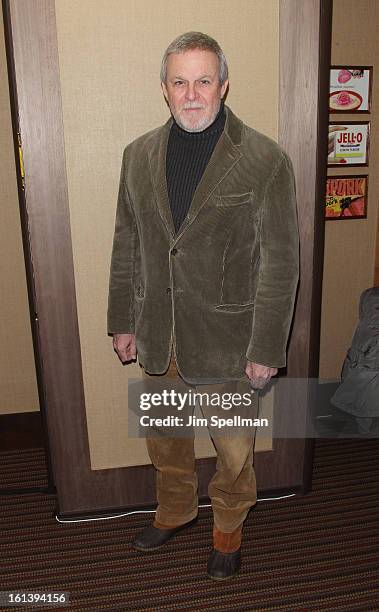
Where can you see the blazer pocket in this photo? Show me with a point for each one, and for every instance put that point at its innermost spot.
(234, 307)
(234, 200)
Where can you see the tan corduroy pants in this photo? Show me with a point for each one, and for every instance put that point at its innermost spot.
(232, 489)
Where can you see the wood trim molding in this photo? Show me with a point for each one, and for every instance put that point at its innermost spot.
(32, 38)
(305, 30)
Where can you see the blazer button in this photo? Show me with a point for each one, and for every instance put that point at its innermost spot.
(168, 290)
(174, 251)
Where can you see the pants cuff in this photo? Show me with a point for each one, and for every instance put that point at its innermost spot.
(227, 542)
(172, 520)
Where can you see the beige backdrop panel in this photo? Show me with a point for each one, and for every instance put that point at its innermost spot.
(110, 52)
(18, 388)
(349, 260)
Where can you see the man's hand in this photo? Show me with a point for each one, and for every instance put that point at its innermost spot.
(125, 346)
(259, 375)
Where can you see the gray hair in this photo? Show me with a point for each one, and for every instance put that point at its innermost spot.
(195, 40)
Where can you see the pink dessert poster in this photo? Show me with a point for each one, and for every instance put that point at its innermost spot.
(350, 88)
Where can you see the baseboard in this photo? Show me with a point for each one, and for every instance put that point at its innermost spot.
(21, 430)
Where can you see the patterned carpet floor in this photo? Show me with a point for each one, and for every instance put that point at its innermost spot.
(316, 552)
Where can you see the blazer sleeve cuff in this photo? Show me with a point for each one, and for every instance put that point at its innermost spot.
(266, 357)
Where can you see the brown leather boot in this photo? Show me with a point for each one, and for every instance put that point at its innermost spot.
(225, 559)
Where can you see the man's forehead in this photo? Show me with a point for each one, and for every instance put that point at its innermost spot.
(193, 59)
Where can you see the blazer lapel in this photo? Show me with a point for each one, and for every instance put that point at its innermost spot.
(157, 161)
(225, 155)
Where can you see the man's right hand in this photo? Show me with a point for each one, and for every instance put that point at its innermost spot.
(125, 346)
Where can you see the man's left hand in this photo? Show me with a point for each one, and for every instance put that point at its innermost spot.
(259, 375)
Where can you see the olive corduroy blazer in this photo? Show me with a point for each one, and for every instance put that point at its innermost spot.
(222, 289)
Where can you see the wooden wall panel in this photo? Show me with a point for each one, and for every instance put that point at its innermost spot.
(304, 26)
(305, 32)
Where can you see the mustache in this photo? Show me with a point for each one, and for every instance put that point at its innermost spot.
(189, 105)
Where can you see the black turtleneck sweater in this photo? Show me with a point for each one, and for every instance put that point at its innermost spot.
(188, 154)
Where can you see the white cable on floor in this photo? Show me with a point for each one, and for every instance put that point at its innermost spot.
(114, 516)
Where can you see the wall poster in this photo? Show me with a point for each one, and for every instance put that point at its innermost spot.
(346, 197)
(350, 89)
(348, 143)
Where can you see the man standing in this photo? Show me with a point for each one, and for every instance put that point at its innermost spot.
(203, 277)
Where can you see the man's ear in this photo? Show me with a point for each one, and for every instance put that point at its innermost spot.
(224, 87)
(164, 89)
